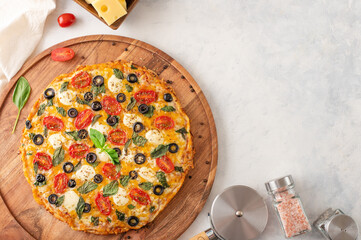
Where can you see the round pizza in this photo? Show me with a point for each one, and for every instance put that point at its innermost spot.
(106, 147)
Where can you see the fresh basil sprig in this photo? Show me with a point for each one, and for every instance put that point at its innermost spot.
(111, 188)
(168, 109)
(58, 156)
(124, 180)
(87, 187)
(159, 151)
(99, 141)
(118, 73)
(20, 96)
(162, 179)
(80, 207)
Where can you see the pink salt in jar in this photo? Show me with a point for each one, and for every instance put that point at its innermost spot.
(288, 206)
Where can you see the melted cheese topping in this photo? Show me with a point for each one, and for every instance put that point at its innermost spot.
(70, 200)
(130, 119)
(121, 197)
(147, 174)
(115, 84)
(155, 136)
(56, 140)
(67, 97)
(85, 173)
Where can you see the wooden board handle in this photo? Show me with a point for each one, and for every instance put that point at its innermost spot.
(200, 236)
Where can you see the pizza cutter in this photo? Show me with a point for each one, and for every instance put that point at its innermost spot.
(239, 212)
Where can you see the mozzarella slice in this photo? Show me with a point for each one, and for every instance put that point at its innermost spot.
(102, 156)
(155, 136)
(56, 140)
(115, 84)
(101, 128)
(129, 119)
(70, 200)
(85, 173)
(121, 197)
(67, 97)
(147, 174)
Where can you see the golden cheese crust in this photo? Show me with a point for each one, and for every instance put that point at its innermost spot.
(135, 190)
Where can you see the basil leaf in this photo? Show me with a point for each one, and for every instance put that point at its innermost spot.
(120, 215)
(131, 206)
(168, 109)
(146, 185)
(150, 111)
(29, 153)
(97, 90)
(113, 155)
(182, 131)
(109, 220)
(81, 101)
(124, 180)
(50, 102)
(126, 145)
(159, 151)
(97, 138)
(162, 179)
(118, 73)
(20, 96)
(128, 87)
(41, 109)
(73, 134)
(87, 187)
(94, 220)
(111, 188)
(131, 103)
(61, 111)
(132, 67)
(138, 140)
(59, 201)
(77, 166)
(64, 87)
(36, 167)
(40, 184)
(95, 164)
(178, 169)
(45, 131)
(80, 207)
(151, 209)
(95, 118)
(31, 136)
(58, 156)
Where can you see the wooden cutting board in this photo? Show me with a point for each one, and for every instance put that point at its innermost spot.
(22, 218)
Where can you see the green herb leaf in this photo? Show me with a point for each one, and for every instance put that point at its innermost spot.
(39, 184)
(138, 140)
(108, 219)
(87, 187)
(182, 131)
(178, 169)
(97, 138)
(118, 119)
(50, 102)
(131, 206)
(94, 220)
(81, 101)
(97, 90)
(64, 87)
(61, 111)
(159, 151)
(73, 134)
(151, 209)
(162, 179)
(95, 118)
(29, 153)
(127, 144)
(146, 185)
(20, 96)
(41, 109)
(168, 109)
(124, 180)
(131, 104)
(77, 166)
(113, 155)
(31, 136)
(59, 201)
(58, 156)
(111, 188)
(95, 164)
(118, 73)
(80, 207)
(120, 215)
(128, 87)
(150, 111)
(36, 167)
(45, 131)
(132, 67)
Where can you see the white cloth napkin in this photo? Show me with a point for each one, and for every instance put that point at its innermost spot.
(21, 28)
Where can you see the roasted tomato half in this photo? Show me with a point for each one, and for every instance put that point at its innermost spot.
(165, 164)
(78, 150)
(84, 119)
(110, 171)
(43, 160)
(145, 96)
(117, 137)
(139, 196)
(53, 123)
(81, 80)
(62, 54)
(164, 122)
(111, 105)
(103, 204)
(60, 182)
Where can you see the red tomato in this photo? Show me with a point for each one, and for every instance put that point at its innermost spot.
(43, 160)
(117, 137)
(53, 123)
(103, 204)
(111, 105)
(165, 164)
(110, 171)
(60, 182)
(164, 122)
(145, 96)
(66, 19)
(78, 150)
(84, 119)
(81, 80)
(139, 196)
(62, 54)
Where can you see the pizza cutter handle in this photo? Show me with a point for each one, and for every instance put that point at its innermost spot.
(206, 235)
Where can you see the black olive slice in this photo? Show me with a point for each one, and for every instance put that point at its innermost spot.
(68, 167)
(133, 221)
(173, 148)
(71, 183)
(139, 158)
(87, 208)
(112, 120)
(98, 178)
(88, 96)
(167, 97)
(138, 127)
(98, 80)
(158, 189)
(96, 106)
(38, 139)
(28, 124)
(143, 108)
(121, 97)
(72, 112)
(40, 178)
(49, 93)
(52, 198)
(82, 133)
(118, 151)
(133, 174)
(132, 78)
(91, 157)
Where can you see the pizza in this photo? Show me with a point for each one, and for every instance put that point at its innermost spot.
(106, 147)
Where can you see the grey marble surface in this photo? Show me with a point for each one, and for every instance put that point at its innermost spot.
(282, 79)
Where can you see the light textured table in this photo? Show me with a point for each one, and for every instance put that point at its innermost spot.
(282, 79)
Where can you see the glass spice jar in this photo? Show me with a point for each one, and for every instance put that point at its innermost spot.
(288, 206)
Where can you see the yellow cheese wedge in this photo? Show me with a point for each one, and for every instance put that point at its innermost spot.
(124, 3)
(109, 10)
